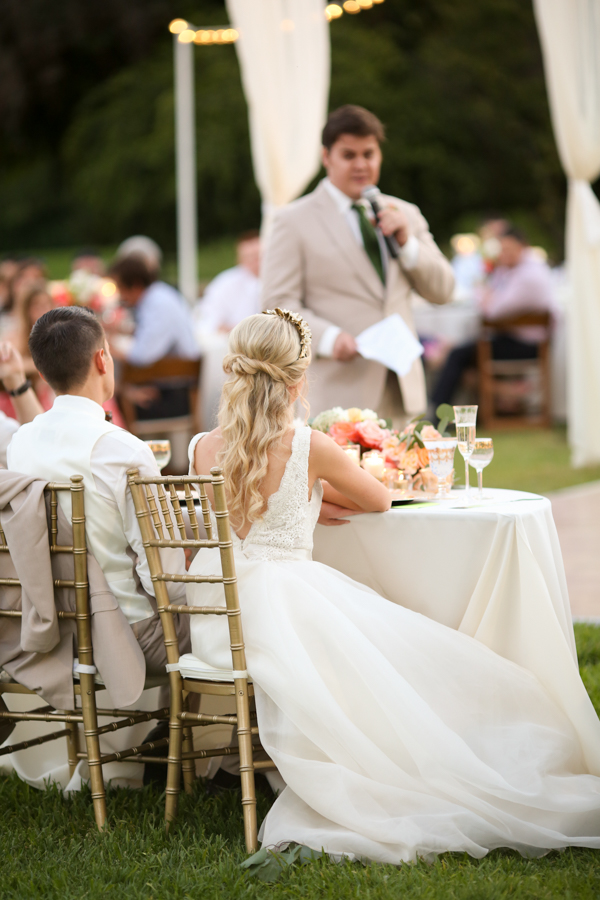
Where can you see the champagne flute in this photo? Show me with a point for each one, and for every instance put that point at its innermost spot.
(481, 456)
(161, 451)
(465, 418)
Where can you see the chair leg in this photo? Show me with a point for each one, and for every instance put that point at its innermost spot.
(175, 749)
(72, 746)
(246, 767)
(188, 766)
(92, 742)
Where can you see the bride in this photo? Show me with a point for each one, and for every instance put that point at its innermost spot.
(397, 737)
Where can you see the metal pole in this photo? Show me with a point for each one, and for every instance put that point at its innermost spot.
(185, 152)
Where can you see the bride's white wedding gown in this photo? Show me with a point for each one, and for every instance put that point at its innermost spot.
(396, 736)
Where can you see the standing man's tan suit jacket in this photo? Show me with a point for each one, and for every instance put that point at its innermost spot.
(313, 265)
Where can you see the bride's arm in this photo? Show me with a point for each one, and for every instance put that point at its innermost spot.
(346, 483)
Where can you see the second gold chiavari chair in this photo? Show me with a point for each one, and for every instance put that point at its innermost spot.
(226, 684)
(85, 683)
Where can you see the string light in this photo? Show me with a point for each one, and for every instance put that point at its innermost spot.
(333, 11)
(177, 26)
(188, 33)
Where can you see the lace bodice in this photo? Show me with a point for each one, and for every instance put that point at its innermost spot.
(285, 530)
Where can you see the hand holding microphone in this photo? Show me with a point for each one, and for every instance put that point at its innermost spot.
(391, 222)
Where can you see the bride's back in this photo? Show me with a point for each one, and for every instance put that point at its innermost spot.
(266, 364)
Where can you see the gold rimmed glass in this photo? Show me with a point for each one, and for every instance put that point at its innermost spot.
(465, 418)
(481, 456)
(161, 451)
(441, 462)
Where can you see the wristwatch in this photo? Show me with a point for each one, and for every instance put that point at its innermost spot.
(20, 390)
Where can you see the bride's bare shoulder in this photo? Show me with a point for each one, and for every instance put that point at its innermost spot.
(208, 446)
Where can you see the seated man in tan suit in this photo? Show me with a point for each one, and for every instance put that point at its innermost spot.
(326, 260)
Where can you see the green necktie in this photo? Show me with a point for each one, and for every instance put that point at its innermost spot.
(369, 236)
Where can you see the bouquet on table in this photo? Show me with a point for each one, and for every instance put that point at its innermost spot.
(83, 288)
(404, 450)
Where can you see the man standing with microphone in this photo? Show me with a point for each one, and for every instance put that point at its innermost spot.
(344, 267)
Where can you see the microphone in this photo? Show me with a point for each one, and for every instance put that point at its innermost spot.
(372, 194)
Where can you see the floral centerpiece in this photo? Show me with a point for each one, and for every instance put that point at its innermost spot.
(402, 450)
(83, 288)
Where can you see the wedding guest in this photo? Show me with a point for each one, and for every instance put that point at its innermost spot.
(163, 327)
(163, 324)
(234, 293)
(140, 245)
(326, 258)
(520, 282)
(69, 347)
(26, 404)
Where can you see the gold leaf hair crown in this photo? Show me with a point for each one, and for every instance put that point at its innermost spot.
(298, 323)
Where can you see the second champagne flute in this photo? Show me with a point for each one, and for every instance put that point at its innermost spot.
(465, 418)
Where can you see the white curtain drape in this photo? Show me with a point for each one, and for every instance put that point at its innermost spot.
(570, 37)
(283, 51)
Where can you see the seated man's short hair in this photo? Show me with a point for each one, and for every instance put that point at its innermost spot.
(354, 120)
(62, 344)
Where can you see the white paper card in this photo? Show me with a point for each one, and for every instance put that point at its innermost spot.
(391, 343)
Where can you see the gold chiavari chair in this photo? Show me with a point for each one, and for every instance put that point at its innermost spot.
(225, 684)
(85, 672)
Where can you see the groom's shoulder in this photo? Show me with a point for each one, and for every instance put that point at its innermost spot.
(125, 445)
(299, 208)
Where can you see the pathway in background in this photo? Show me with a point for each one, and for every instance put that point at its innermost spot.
(577, 515)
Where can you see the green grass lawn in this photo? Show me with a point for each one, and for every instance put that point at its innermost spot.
(530, 460)
(51, 849)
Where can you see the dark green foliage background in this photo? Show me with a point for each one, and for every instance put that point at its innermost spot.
(86, 117)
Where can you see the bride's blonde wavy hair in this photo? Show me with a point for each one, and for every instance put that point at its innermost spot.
(263, 363)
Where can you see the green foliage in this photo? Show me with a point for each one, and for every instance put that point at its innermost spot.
(50, 848)
(445, 414)
(458, 84)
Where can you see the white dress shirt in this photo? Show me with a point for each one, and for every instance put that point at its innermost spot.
(230, 297)
(409, 253)
(8, 427)
(164, 327)
(73, 437)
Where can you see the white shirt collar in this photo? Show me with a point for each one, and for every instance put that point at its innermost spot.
(80, 405)
(342, 200)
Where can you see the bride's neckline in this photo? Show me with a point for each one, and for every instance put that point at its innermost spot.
(275, 493)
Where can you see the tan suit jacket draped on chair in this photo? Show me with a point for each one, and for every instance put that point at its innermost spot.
(313, 265)
(38, 649)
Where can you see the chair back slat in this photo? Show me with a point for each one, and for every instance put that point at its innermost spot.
(178, 513)
(205, 506)
(154, 512)
(191, 508)
(53, 518)
(165, 510)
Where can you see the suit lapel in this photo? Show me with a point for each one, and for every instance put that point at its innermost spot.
(353, 253)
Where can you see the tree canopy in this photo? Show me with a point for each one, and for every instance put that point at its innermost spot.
(87, 135)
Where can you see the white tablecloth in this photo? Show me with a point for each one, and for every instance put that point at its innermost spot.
(493, 571)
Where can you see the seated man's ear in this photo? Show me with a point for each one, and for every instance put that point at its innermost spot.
(101, 361)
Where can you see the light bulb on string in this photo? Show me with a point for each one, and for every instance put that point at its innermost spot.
(352, 7)
(177, 26)
(187, 36)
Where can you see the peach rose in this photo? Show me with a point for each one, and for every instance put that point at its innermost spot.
(425, 480)
(369, 434)
(410, 462)
(343, 433)
(429, 433)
